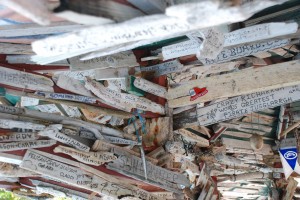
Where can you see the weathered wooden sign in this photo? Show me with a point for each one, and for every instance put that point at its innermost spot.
(20, 79)
(12, 146)
(13, 170)
(123, 100)
(10, 124)
(237, 83)
(191, 137)
(43, 163)
(49, 108)
(246, 104)
(122, 59)
(231, 53)
(18, 137)
(72, 85)
(117, 140)
(156, 175)
(71, 111)
(36, 162)
(53, 133)
(92, 158)
(180, 49)
(164, 68)
(50, 190)
(68, 97)
(150, 87)
(259, 32)
(27, 101)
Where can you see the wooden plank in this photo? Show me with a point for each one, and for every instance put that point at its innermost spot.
(7, 48)
(13, 146)
(122, 59)
(156, 175)
(245, 127)
(237, 83)
(233, 145)
(164, 68)
(34, 29)
(39, 162)
(246, 104)
(258, 118)
(12, 170)
(19, 79)
(36, 10)
(290, 189)
(10, 124)
(53, 133)
(189, 136)
(18, 137)
(91, 158)
(150, 87)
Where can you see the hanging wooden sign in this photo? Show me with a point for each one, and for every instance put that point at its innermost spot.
(25, 80)
(237, 83)
(10, 124)
(156, 175)
(122, 59)
(91, 158)
(246, 104)
(116, 140)
(18, 137)
(232, 53)
(164, 68)
(54, 134)
(13, 146)
(150, 87)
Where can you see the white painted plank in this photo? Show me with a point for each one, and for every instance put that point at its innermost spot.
(164, 68)
(246, 104)
(237, 83)
(10, 124)
(53, 133)
(122, 59)
(18, 137)
(150, 87)
(13, 146)
(25, 80)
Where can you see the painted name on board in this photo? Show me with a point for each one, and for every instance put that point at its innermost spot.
(18, 137)
(12, 146)
(246, 104)
(245, 50)
(164, 68)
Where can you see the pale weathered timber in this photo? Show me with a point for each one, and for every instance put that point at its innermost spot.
(92, 158)
(238, 83)
(10, 124)
(55, 134)
(12, 170)
(35, 160)
(25, 80)
(7, 48)
(191, 137)
(18, 137)
(156, 175)
(246, 104)
(13, 146)
(122, 59)
(150, 87)
(290, 189)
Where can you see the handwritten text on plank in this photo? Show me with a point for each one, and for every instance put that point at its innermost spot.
(246, 104)
(18, 137)
(245, 50)
(25, 80)
(12, 146)
(164, 68)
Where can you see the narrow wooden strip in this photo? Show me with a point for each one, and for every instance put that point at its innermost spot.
(246, 104)
(19, 79)
(18, 137)
(238, 83)
(13, 146)
(150, 87)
